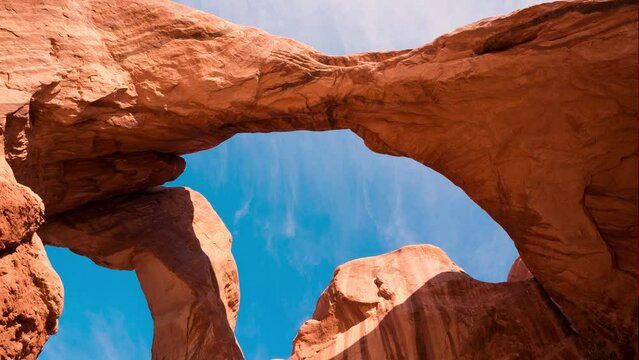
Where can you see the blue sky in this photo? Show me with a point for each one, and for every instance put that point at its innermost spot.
(299, 204)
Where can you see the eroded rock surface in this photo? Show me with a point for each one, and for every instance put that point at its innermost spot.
(532, 114)
(415, 303)
(30, 290)
(519, 271)
(31, 299)
(181, 253)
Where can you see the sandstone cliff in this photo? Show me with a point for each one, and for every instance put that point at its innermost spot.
(532, 114)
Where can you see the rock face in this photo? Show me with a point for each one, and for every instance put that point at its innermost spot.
(362, 292)
(30, 291)
(519, 271)
(532, 114)
(414, 303)
(181, 253)
(31, 297)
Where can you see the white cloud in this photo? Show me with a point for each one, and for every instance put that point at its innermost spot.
(289, 224)
(336, 26)
(241, 212)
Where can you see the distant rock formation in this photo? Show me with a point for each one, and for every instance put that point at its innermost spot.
(181, 253)
(532, 114)
(415, 303)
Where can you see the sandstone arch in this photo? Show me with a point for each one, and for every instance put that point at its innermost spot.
(532, 114)
(181, 253)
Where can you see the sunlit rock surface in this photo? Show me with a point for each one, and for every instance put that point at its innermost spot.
(415, 303)
(181, 253)
(31, 298)
(532, 114)
(30, 290)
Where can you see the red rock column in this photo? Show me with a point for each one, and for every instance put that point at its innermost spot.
(181, 252)
(30, 290)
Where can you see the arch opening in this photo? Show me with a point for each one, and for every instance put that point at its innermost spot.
(498, 151)
(298, 205)
(386, 225)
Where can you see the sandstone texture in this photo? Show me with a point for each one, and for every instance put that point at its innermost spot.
(31, 299)
(532, 114)
(519, 271)
(181, 253)
(30, 290)
(415, 303)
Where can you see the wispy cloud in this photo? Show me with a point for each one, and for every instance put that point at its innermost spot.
(109, 338)
(337, 26)
(289, 224)
(241, 212)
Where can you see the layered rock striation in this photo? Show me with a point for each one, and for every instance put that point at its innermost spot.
(532, 114)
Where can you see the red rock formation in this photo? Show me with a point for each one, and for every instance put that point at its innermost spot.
(30, 291)
(519, 271)
(31, 297)
(532, 114)
(415, 303)
(181, 253)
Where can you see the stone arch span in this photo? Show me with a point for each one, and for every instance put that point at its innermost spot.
(532, 114)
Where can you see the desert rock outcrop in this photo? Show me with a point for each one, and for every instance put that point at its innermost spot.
(533, 114)
(415, 303)
(181, 253)
(30, 290)
(31, 298)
